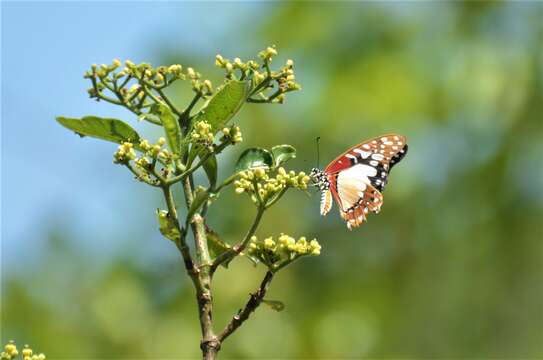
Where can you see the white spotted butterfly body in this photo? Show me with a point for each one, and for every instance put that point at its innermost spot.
(356, 178)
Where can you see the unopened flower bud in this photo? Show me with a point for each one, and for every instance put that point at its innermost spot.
(27, 351)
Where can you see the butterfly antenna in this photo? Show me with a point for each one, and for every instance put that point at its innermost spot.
(318, 152)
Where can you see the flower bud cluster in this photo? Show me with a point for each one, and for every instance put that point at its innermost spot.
(11, 352)
(277, 253)
(204, 88)
(267, 54)
(263, 186)
(202, 134)
(153, 152)
(232, 134)
(132, 82)
(149, 155)
(125, 152)
(262, 76)
(236, 64)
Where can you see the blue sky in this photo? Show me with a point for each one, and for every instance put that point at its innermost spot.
(50, 177)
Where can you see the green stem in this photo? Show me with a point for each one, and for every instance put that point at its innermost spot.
(182, 243)
(209, 344)
(277, 197)
(225, 183)
(140, 177)
(168, 101)
(238, 248)
(203, 159)
(185, 115)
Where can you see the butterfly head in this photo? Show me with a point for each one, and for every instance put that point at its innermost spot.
(320, 179)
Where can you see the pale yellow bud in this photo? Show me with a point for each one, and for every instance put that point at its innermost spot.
(259, 172)
(269, 243)
(27, 351)
(191, 73)
(10, 348)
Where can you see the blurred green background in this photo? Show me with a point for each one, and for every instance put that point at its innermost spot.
(452, 267)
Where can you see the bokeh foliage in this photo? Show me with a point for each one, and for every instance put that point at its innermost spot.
(450, 268)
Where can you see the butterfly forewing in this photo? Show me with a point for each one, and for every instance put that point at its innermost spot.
(386, 148)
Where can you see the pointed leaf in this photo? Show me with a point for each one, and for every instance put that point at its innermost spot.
(171, 127)
(253, 158)
(113, 130)
(224, 104)
(210, 167)
(282, 154)
(216, 245)
(275, 304)
(168, 226)
(201, 196)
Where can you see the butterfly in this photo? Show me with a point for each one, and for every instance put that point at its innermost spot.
(356, 178)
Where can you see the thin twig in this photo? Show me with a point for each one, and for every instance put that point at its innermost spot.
(255, 300)
(203, 159)
(238, 248)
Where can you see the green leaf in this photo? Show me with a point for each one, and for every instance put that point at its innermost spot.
(171, 127)
(216, 245)
(113, 130)
(254, 158)
(224, 104)
(275, 304)
(282, 154)
(168, 226)
(210, 167)
(201, 196)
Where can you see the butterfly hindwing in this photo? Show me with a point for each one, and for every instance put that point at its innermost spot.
(367, 200)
